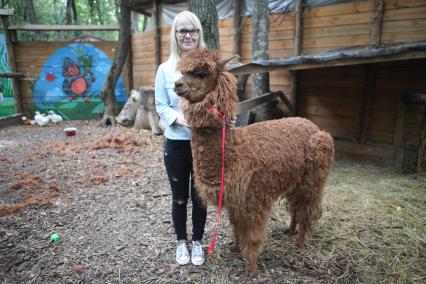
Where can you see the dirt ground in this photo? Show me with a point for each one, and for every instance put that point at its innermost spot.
(106, 194)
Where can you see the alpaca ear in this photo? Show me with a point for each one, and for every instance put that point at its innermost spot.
(222, 62)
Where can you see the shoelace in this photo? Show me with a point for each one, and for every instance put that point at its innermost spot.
(197, 249)
(181, 250)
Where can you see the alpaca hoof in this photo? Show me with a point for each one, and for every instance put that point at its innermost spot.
(251, 271)
(234, 248)
(290, 231)
(300, 244)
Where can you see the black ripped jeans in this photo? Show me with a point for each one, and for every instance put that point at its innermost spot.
(178, 162)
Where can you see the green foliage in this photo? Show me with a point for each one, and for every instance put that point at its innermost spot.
(53, 12)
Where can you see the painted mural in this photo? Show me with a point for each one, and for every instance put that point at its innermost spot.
(71, 80)
(6, 89)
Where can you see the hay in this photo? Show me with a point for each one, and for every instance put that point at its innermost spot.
(122, 141)
(50, 192)
(97, 180)
(372, 229)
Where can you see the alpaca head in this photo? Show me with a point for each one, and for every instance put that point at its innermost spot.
(205, 83)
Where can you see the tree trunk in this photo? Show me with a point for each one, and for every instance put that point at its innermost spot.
(32, 16)
(70, 16)
(207, 13)
(108, 90)
(98, 8)
(134, 21)
(260, 51)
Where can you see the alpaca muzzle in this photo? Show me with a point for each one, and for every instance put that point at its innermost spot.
(180, 89)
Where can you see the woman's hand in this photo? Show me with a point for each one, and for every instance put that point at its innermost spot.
(180, 120)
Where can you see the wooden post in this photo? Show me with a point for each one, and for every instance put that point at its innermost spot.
(12, 64)
(398, 135)
(298, 27)
(129, 65)
(376, 29)
(370, 86)
(421, 160)
(157, 29)
(298, 37)
(237, 27)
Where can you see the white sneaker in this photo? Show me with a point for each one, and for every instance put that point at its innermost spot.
(182, 253)
(197, 255)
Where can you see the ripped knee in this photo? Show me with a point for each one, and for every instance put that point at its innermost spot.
(180, 201)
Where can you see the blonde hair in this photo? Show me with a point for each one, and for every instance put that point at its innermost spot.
(174, 47)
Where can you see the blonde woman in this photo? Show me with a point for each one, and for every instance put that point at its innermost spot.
(186, 35)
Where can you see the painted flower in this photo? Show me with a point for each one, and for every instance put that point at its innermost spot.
(73, 70)
(79, 86)
(50, 77)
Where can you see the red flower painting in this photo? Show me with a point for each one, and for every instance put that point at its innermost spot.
(50, 77)
(77, 78)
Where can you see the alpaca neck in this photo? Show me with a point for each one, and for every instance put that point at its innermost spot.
(206, 146)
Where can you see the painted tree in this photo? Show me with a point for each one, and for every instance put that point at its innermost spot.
(121, 51)
(207, 13)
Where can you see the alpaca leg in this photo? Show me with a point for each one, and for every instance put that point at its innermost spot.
(293, 224)
(235, 246)
(252, 240)
(292, 199)
(306, 203)
(300, 241)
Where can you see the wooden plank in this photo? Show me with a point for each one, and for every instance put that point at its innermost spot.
(11, 75)
(397, 4)
(338, 20)
(383, 125)
(361, 29)
(412, 25)
(345, 111)
(247, 105)
(332, 91)
(331, 101)
(332, 63)
(341, 9)
(343, 41)
(382, 151)
(10, 120)
(403, 37)
(64, 27)
(380, 137)
(405, 14)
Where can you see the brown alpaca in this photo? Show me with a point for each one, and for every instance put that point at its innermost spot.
(288, 157)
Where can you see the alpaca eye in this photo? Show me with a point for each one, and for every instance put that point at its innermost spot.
(201, 75)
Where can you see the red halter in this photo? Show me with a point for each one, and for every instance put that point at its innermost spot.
(222, 117)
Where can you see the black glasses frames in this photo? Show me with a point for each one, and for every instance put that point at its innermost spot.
(184, 32)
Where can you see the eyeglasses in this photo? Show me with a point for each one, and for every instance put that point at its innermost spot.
(183, 32)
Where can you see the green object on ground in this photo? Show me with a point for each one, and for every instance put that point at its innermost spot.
(55, 237)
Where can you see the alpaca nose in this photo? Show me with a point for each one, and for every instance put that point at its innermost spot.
(178, 84)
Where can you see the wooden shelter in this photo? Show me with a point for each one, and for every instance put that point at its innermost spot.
(379, 54)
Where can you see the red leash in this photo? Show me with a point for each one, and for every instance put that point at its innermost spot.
(222, 180)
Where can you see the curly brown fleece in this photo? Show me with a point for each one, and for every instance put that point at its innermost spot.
(288, 157)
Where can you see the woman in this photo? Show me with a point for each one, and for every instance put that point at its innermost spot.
(186, 35)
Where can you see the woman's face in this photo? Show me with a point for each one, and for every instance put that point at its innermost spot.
(187, 36)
